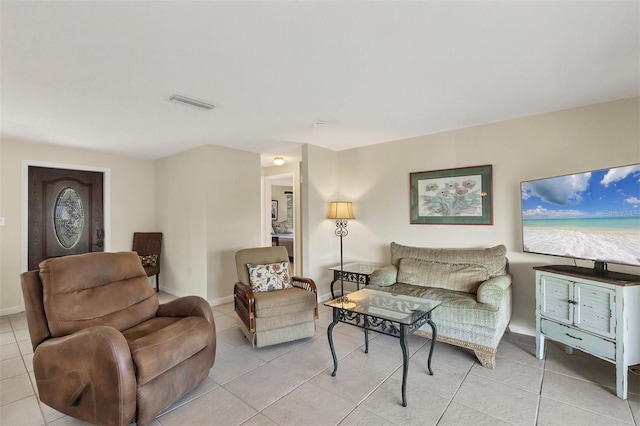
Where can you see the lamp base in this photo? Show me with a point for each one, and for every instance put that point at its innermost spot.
(346, 303)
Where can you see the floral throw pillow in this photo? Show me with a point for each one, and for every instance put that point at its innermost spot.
(274, 276)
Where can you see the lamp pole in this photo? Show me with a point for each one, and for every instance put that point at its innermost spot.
(341, 231)
(341, 211)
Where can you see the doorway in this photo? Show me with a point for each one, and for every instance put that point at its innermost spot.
(281, 215)
(66, 211)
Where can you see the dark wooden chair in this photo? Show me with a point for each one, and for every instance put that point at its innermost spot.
(148, 245)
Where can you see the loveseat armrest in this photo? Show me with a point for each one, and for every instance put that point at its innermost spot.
(88, 375)
(309, 285)
(385, 276)
(244, 303)
(492, 291)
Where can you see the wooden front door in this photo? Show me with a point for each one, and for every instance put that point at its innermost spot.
(66, 213)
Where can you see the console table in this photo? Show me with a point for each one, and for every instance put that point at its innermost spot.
(355, 272)
(599, 315)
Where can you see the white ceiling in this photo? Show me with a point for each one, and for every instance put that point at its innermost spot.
(98, 74)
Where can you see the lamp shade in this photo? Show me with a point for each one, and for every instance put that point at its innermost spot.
(340, 210)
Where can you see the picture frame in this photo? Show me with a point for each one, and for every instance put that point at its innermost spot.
(274, 209)
(459, 196)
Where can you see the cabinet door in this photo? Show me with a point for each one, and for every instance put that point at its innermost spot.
(595, 311)
(556, 294)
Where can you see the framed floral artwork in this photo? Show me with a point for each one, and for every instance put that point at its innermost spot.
(460, 196)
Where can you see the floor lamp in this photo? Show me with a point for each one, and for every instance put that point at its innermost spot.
(341, 211)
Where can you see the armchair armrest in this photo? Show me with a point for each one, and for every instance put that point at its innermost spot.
(309, 285)
(244, 303)
(385, 276)
(492, 291)
(88, 375)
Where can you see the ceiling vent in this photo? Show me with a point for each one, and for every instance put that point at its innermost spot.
(191, 102)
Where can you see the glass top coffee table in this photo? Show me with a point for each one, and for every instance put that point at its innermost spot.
(391, 314)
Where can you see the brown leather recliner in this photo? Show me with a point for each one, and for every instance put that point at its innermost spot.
(105, 351)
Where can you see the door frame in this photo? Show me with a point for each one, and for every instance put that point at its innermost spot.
(106, 188)
(265, 211)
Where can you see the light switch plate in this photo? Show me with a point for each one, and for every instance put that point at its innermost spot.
(1, 221)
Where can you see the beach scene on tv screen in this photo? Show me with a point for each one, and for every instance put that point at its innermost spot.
(593, 215)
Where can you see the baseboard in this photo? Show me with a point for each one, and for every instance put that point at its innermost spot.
(221, 301)
(326, 296)
(11, 311)
(518, 329)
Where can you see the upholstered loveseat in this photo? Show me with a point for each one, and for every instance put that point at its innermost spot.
(473, 285)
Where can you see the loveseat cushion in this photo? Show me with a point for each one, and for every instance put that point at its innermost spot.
(493, 258)
(91, 289)
(457, 307)
(161, 343)
(450, 276)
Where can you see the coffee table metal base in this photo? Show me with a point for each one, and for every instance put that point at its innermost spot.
(383, 326)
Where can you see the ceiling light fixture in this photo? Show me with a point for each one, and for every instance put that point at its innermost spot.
(278, 161)
(191, 102)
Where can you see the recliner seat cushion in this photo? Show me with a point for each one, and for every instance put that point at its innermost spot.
(283, 302)
(92, 289)
(161, 343)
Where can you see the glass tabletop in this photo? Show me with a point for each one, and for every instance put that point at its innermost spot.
(381, 304)
(356, 268)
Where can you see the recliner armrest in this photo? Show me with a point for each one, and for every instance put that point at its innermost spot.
(88, 375)
(309, 285)
(244, 303)
(385, 276)
(189, 306)
(492, 291)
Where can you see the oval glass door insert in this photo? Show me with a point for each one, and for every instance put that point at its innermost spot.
(68, 217)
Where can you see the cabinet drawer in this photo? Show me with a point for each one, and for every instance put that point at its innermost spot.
(579, 339)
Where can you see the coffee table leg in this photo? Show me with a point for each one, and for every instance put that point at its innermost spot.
(366, 335)
(330, 336)
(405, 362)
(434, 336)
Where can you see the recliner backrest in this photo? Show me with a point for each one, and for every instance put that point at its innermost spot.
(260, 256)
(93, 289)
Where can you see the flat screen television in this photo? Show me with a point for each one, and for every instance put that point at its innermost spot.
(593, 215)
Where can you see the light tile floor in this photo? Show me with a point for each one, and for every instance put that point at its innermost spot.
(291, 384)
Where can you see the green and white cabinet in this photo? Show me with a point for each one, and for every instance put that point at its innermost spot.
(598, 315)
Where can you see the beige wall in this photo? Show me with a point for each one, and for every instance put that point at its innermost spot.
(321, 248)
(132, 183)
(376, 179)
(208, 202)
(208, 199)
